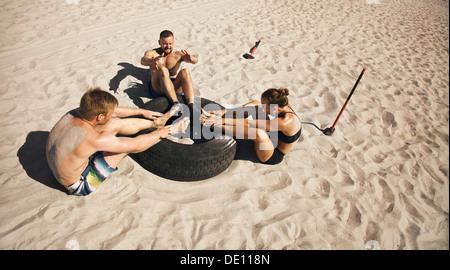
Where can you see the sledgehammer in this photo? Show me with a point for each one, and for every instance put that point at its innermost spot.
(252, 50)
(329, 131)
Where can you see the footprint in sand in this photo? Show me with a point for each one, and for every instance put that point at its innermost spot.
(409, 188)
(318, 188)
(411, 209)
(389, 119)
(387, 195)
(372, 232)
(354, 216)
(311, 102)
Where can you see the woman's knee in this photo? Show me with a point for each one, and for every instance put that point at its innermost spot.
(261, 135)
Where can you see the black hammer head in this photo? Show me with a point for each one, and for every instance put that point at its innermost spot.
(328, 131)
(248, 56)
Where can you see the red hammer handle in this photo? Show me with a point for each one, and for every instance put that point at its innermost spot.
(348, 99)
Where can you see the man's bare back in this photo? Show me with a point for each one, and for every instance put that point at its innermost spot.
(67, 150)
(74, 140)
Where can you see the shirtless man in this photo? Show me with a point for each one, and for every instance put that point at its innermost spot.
(83, 149)
(164, 63)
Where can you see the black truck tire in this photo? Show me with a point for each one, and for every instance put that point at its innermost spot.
(186, 162)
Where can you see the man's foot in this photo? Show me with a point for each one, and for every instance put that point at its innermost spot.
(179, 126)
(194, 116)
(176, 111)
(207, 119)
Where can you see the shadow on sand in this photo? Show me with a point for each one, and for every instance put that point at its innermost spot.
(33, 158)
(136, 91)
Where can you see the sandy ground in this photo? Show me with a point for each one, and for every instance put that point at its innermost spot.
(382, 176)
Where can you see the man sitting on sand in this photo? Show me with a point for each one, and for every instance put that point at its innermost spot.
(164, 63)
(83, 149)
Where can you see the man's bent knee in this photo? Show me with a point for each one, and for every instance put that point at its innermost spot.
(185, 73)
(162, 72)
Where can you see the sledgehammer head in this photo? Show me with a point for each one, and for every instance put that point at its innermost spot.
(252, 50)
(328, 131)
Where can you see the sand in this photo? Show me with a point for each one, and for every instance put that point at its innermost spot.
(381, 180)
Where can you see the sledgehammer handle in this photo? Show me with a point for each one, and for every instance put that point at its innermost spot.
(253, 49)
(348, 99)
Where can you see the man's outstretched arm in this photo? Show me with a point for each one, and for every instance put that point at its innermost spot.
(110, 143)
(122, 112)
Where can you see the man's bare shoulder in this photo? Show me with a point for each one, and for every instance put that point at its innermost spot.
(151, 54)
(72, 131)
(63, 124)
(65, 138)
(178, 53)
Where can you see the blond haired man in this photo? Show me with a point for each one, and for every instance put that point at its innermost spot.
(83, 149)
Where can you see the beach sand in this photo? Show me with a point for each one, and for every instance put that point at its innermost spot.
(383, 175)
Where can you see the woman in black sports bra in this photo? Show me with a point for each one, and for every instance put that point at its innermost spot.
(286, 124)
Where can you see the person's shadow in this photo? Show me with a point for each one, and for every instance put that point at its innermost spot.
(32, 156)
(136, 91)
